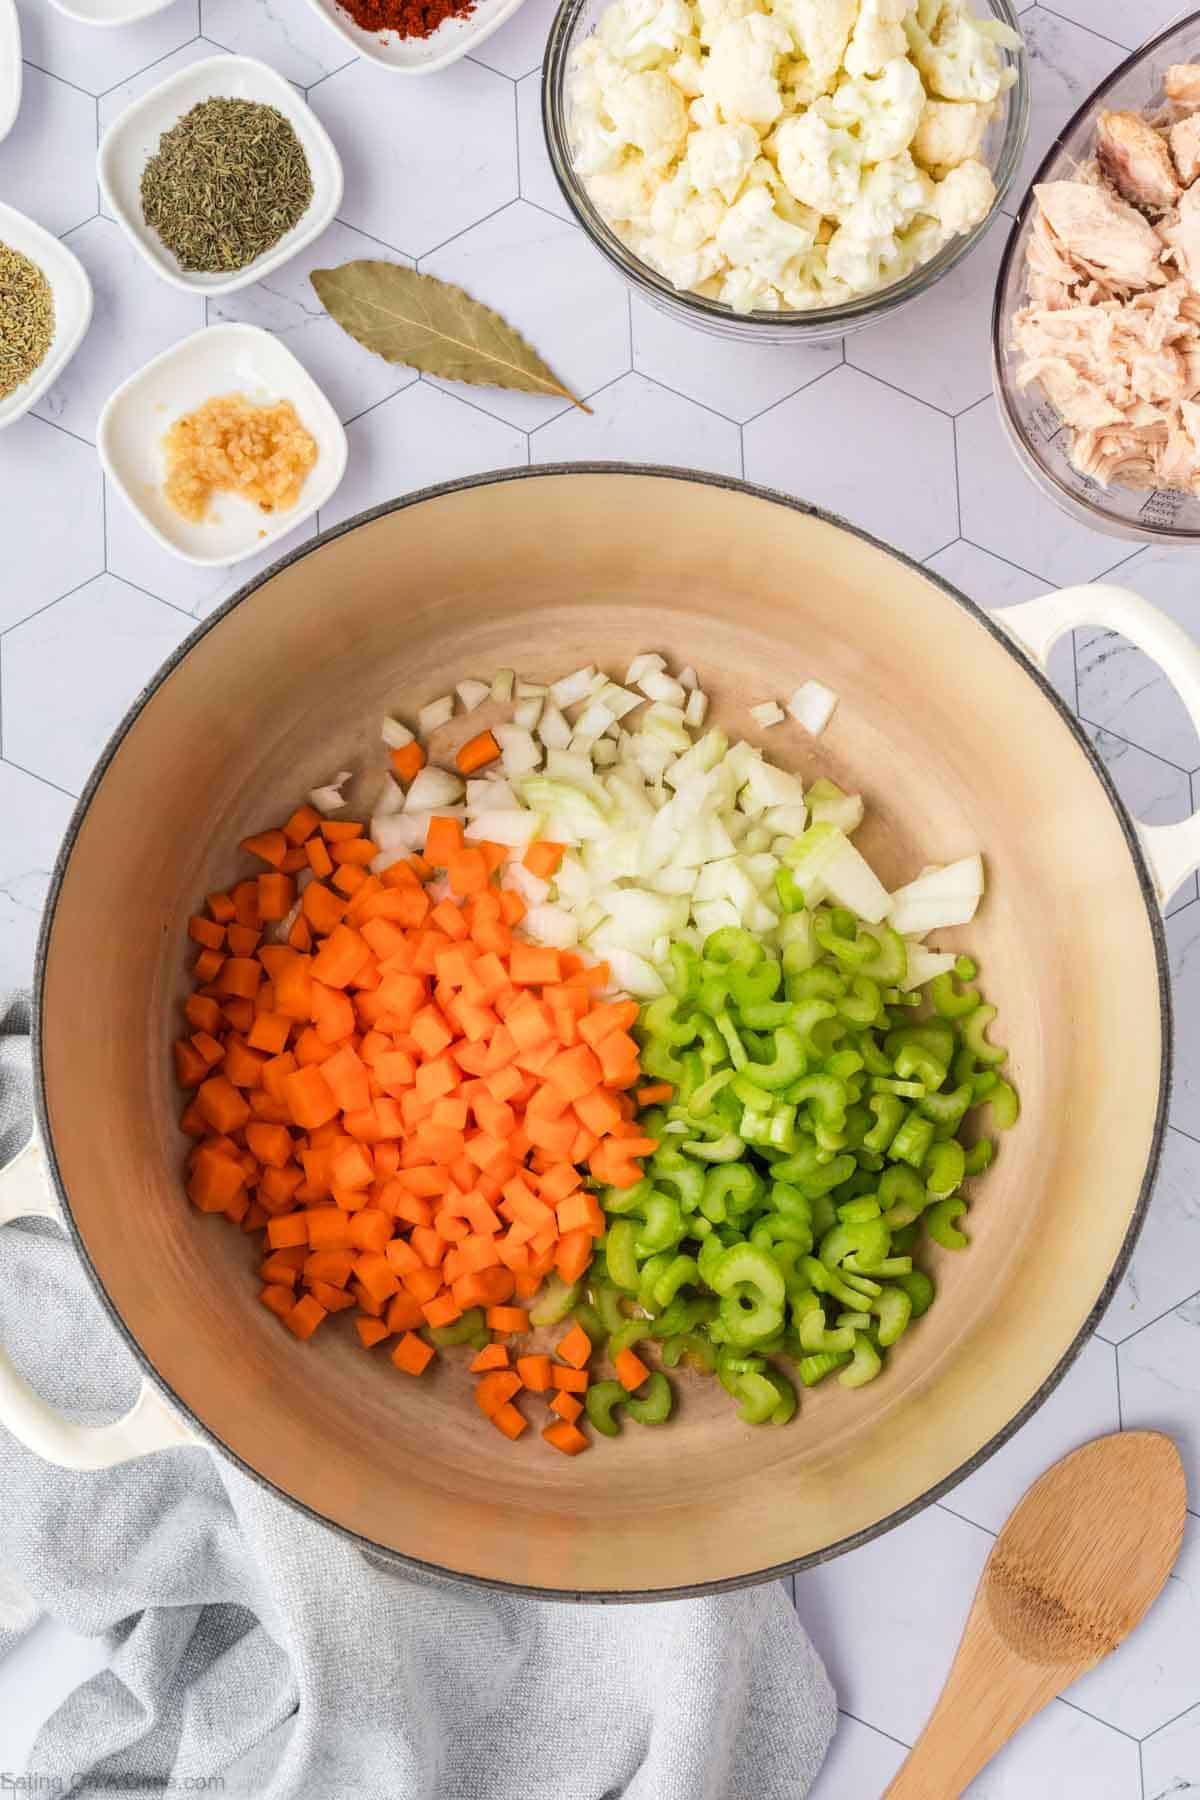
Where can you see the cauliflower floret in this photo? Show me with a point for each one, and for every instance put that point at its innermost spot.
(687, 70)
(820, 31)
(950, 131)
(642, 33)
(712, 14)
(961, 59)
(678, 212)
(595, 142)
(810, 284)
(720, 157)
(625, 194)
(820, 164)
(753, 236)
(878, 37)
(886, 108)
(746, 292)
(649, 113)
(741, 72)
(865, 244)
(964, 197)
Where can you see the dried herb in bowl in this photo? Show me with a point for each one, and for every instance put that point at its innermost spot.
(26, 319)
(225, 184)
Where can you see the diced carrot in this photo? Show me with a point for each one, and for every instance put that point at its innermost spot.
(543, 858)
(269, 846)
(494, 1389)
(573, 1381)
(507, 1318)
(309, 1097)
(477, 752)
(492, 1356)
(467, 873)
(278, 1298)
(534, 1372)
(408, 760)
(370, 1331)
(565, 1436)
(567, 1406)
(441, 1310)
(576, 1347)
(507, 1419)
(404, 1313)
(656, 1094)
(206, 932)
(412, 1354)
(631, 1370)
(303, 822)
(283, 1234)
(305, 1316)
(443, 840)
(339, 831)
(572, 1255)
(533, 965)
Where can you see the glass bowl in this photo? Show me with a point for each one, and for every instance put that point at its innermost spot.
(1001, 150)
(1034, 428)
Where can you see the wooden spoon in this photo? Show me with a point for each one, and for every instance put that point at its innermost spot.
(1070, 1575)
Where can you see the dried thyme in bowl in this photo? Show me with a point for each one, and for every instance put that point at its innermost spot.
(26, 319)
(227, 181)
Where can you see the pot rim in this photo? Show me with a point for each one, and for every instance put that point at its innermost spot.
(754, 1577)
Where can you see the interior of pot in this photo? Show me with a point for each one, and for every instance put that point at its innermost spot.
(954, 747)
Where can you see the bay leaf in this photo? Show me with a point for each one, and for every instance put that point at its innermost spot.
(430, 325)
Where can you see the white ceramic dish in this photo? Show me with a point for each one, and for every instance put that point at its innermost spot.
(420, 56)
(72, 305)
(133, 138)
(224, 359)
(108, 12)
(10, 66)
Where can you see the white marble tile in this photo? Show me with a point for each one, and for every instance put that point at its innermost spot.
(1154, 791)
(994, 583)
(1002, 508)
(97, 60)
(286, 304)
(735, 379)
(636, 421)
(293, 39)
(421, 437)
(516, 49)
(893, 469)
(1065, 64)
(1171, 1759)
(135, 556)
(35, 817)
(133, 320)
(1160, 1385)
(1127, 22)
(575, 314)
(140, 80)
(1061, 1754)
(861, 1761)
(1124, 690)
(48, 159)
(887, 1618)
(80, 663)
(1152, 1676)
(46, 480)
(415, 179)
(1165, 1268)
(939, 347)
(1082, 1406)
(1183, 946)
(537, 177)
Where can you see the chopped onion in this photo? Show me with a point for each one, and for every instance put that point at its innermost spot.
(472, 693)
(767, 713)
(553, 729)
(812, 706)
(489, 793)
(328, 799)
(502, 686)
(938, 897)
(518, 752)
(924, 964)
(532, 889)
(435, 714)
(643, 665)
(514, 826)
(527, 713)
(530, 690)
(394, 734)
(618, 700)
(689, 679)
(604, 753)
(389, 800)
(553, 925)
(572, 687)
(432, 789)
(657, 686)
(696, 708)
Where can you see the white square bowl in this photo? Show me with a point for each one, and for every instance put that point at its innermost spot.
(132, 139)
(10, 67)
(420, 56)
(72, 305)
(223, 359)
(109, 12)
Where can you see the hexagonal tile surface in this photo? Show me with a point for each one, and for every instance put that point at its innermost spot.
(421, 437)
(894, 470)
(35, 817)
(575, 314)
(744, 380)
(47, 161)
(636, 421)
(286, 303)
(402, 186)
(1001, 508)
(80, 662)
(1165, 1267)
(44, 559)
(1171, 1758)
(293, 39)
(1160, 1384)
(861, 1760)
(98, 59)
(517, 47)
(939, 346)
(1183, 944)
(1149, 1679)
(1121, 688)
(537, 177)
(994, 583)
(113, 102)
(134, 319)
(1065, 64)
(1128, 25)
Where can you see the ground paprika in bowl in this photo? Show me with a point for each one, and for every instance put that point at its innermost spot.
(407, 18)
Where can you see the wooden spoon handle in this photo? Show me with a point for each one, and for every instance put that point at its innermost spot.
(989, 1694)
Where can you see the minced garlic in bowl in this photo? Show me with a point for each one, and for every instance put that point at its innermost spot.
(231, 445)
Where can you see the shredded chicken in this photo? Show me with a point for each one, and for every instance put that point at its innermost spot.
(1181, 83)
(1111, 328)
(1136, 160)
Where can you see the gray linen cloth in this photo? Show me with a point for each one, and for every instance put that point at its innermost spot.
(258, 1653)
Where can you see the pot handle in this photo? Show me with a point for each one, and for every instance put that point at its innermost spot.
(151, 1424)
(1171, 851)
